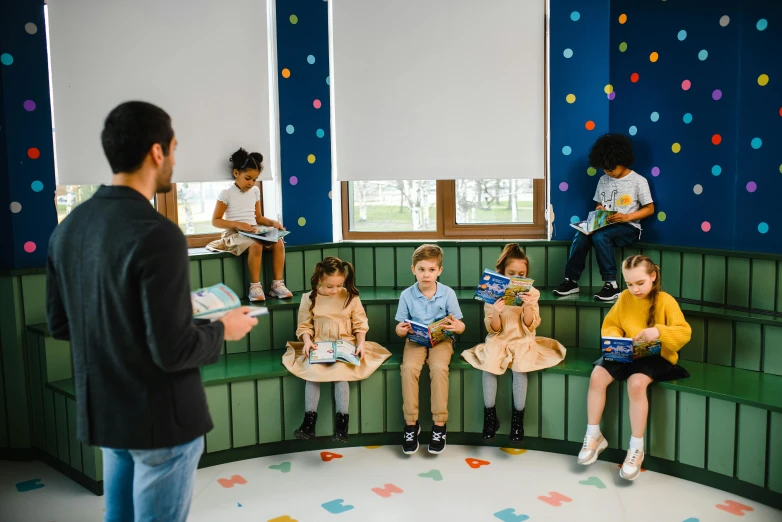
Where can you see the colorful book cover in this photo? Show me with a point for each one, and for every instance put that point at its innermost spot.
(491, 287)
(624, 350)
(264, 233)
(517, 286)
(213, 302)
(326, 352)
(428, 335)
(595, 220)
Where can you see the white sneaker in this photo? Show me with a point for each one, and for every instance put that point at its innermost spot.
(632, 465)
(591, 449)
(256, 293)
(279, 290)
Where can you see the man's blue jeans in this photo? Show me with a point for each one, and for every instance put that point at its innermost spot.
(604, 240)
(150, 485)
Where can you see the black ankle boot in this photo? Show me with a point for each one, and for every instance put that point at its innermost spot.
(307, 429)
(490, 423)
(341, 427)
(517, 426)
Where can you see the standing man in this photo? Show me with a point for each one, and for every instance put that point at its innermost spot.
(118, 289)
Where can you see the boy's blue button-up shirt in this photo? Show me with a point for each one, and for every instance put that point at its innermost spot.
(415, 306)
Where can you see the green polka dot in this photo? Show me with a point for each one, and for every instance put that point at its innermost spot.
(294, 19)
(623, 46)
(302, 221)
(591, 171)
(661, 216)
(780, 169)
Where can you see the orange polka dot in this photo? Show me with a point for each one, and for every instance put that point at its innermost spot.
(622, 18)
(716, 139)
(590, 125)
(634, 77)
(654, 57)
(33, 153)
(780, 111)
(286, 73)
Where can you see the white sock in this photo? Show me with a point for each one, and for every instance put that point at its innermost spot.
(593, 430)
(254, 284)
(637, 443)
(278, 282)
(613, 284)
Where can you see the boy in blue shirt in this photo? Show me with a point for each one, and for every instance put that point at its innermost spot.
(425, 302)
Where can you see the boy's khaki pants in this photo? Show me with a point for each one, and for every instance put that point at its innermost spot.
(413, 359)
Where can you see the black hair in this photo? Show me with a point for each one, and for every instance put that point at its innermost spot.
(130, 131)
(242, 160)
(610, 151)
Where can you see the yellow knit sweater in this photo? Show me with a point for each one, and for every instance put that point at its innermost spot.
(628, 317)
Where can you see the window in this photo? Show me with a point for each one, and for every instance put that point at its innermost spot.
(466, 209)
(195, 206)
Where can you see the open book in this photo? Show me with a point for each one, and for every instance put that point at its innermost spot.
(333, 351)
(595, 220)
(429, 335)
(625, 350)
(494, 286)
(264, 233)
(213, 302)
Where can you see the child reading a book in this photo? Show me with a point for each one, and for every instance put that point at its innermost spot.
(239, 208)
(644, 313)
(512, 343)
(332, 311)
(426, 302)
(621, 190)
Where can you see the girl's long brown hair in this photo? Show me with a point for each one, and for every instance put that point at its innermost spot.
(509, 253)
(330, 266)
(651, 268)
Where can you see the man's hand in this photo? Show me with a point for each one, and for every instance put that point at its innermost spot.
(237, 323)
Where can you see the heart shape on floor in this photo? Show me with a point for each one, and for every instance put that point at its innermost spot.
(327, 456)
(475, 463)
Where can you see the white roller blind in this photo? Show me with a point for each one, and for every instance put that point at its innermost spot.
(206, 63)
(437, 89)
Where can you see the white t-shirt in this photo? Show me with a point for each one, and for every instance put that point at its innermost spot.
(241, 205)
(624, 195)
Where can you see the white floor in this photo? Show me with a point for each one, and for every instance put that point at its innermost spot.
(382, 484)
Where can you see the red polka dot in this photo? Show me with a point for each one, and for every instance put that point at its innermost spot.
(590, 125)
(34, 153)
(716, 139)
(705, 226)
(316, 104)
(780, 111)
(634, 77)
(29, 247)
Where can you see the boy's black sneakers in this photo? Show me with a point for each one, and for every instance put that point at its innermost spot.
(609, 292)
(437, 444)
(566, 287)
(410, 443)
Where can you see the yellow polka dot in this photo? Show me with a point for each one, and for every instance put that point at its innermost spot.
(608, 89)
(302, 221)
(622, 18)
(676, 148)
(570, 98)
(661, 216)
(311, 158)
(763, 80)
(591, 171)
(286, 73)
(654, 57)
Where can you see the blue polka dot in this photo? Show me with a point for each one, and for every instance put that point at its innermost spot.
(703, 55)
(6, 59)
(682, 35)
(575, 16)
(566, 150)
(633, 130)
(757, 143)
(687, 118)
(568, 53)
(763, 227)
(289, 129)
(328, 80)
(574, 219)
(310, 59)
(37, 186)
(762, 24)
(655, 116)
(319, 133)
(716, 170)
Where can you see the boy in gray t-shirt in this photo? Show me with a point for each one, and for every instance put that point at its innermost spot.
(620, 189)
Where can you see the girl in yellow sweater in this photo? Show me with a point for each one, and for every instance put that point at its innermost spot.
(644, 313)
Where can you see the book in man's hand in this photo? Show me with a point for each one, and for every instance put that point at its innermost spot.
(333, 351)
(264, 233)
(625, 350)
(494, 286)
(429, 335)
(213, 302)
(595, 220)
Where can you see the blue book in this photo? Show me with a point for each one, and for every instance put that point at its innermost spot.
(494, 286)
(264, 233)
(624, 350)
(428, 335)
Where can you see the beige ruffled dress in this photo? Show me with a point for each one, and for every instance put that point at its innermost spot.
(330, 320)
(515, 344)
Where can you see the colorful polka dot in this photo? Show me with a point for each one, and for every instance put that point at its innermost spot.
(591, 171)
(29, 105)
(763, 80)
(705, 226)
(655, 116)
(302, 221)
(762, 24)
(687, 118)
(316, 104)
(30, 28)
(311, 159)
(622, 47)
(328, 80)
(752, 186)
(286, 73)
(563, 186)
(608, 89)
(762, 227)
(686, 84)
(682, 35)
(15, 207)
(293, 180)
(289, 129)
(612, 95)
(633, 130)
(330, 195)
(566, 150)
(716, 170)
(716, 139)
(716, 95)
(574, 219)
(655, 171)
(703, 55)
(29, 247)
(6, 59)
(294, 19)
(590, 125)
(575, 16)
(724, 21)
(310, 59)
(37, 186)
(570, 98)
(654, 57)
(319, 133)
(622, 18)
(634, 77)
(756, 143)
(662, 216)
(33, 153)
(567, 53)
(698, 190)
(676, 148)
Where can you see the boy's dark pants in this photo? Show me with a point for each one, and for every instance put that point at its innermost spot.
(603, 240)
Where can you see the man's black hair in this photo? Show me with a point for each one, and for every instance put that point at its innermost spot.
(130, 130)
(610, 151)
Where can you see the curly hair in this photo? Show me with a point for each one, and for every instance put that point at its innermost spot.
(611, 151)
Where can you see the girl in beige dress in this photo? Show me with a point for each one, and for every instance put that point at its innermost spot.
(512, 343)
(332, 311)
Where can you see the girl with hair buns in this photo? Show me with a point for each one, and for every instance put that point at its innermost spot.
(331, 311)
(512, 343)
(239, 208)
